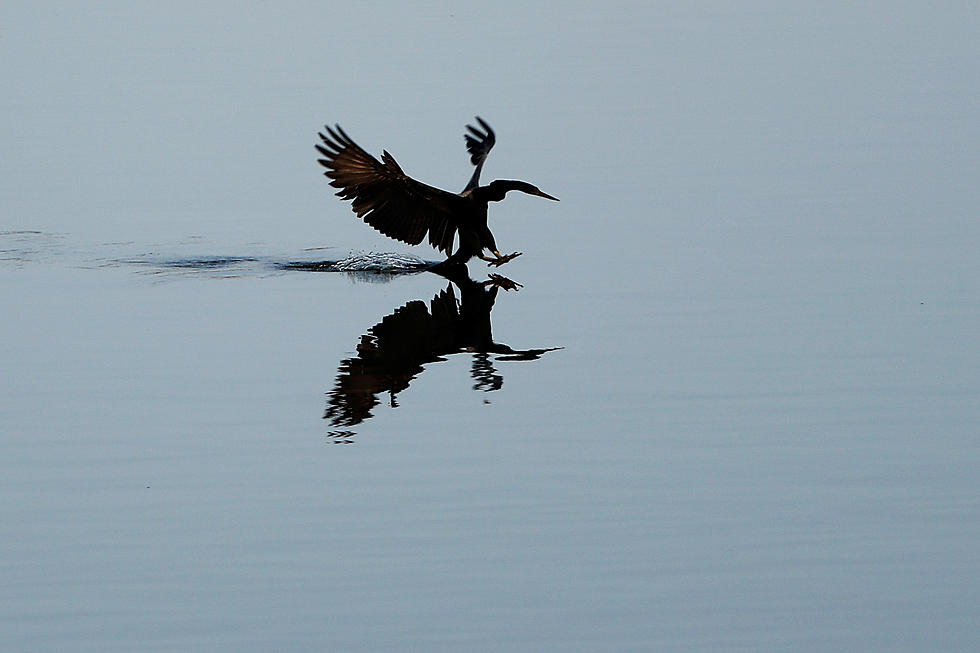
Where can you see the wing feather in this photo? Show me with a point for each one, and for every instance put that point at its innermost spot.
(478, 144)
(384, 196)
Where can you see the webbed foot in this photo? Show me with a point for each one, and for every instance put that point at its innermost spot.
(500, 260)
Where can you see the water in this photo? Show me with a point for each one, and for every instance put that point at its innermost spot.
(733, 404)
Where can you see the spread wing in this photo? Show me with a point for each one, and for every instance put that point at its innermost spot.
(385, 197)
(478, 144)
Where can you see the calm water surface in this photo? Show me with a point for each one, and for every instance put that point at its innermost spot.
(733, 407)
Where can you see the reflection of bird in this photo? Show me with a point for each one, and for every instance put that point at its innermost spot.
(394, 351)
(405, 209)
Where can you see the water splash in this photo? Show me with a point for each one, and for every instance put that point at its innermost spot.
(380, 262)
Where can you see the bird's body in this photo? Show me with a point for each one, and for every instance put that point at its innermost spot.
(408, 210)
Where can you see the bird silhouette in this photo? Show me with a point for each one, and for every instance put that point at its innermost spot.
(405, 209)
(398, 348)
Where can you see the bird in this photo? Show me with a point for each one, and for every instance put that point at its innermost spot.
(406, 209)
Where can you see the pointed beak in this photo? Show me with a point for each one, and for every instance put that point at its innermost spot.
(546, 196)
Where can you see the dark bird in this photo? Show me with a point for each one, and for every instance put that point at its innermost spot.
(405, 209)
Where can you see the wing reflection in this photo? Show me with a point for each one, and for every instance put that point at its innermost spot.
(393, 352)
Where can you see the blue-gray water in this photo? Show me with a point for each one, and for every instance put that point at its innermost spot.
(760, 432)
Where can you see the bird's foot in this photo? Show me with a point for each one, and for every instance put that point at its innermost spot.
(502, 282)
(500, 260)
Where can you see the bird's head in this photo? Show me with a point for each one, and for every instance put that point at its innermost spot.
(497, 189)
